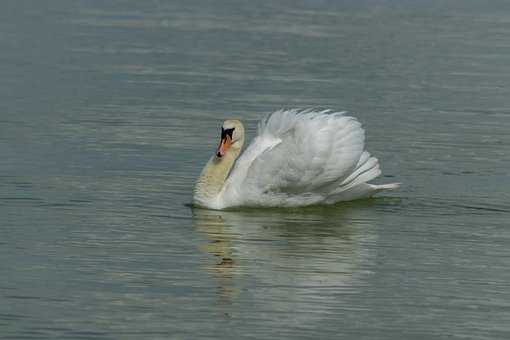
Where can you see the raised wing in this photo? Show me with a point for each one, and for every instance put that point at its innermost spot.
(301, 153)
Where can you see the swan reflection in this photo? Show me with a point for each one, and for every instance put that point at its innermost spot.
(288, 255)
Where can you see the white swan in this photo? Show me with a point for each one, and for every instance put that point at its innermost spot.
(298, 158)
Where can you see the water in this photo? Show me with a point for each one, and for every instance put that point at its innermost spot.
(109, 111)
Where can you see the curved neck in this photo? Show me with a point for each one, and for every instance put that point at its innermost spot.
(213, 176)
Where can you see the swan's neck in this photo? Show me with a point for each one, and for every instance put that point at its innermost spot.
(213, 176)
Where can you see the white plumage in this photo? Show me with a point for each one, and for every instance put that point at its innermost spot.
(297, 158)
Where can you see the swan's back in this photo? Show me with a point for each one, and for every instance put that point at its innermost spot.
(302, 158)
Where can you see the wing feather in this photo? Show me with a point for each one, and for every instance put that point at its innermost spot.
(315, 149)
(303, 157)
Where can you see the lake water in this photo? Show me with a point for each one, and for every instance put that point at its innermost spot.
(108, 111)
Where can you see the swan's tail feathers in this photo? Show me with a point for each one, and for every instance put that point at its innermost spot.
(366, 170)
(355, 186)
(359, 191)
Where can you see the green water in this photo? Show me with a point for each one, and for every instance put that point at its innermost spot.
(108, 112)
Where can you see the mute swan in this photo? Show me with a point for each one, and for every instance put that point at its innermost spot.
(298, 158)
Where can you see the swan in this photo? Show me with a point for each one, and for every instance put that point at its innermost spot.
(298, 158)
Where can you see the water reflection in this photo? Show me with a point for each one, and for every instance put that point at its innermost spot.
(288, 256)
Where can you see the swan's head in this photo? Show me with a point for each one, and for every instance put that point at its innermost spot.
(232, 137)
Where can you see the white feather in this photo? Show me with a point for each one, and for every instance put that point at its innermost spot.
(302, 158)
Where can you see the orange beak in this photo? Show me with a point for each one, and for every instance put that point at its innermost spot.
(224, 145)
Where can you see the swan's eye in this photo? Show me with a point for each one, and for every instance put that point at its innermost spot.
(227, 132)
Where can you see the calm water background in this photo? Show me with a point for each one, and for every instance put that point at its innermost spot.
(109, 111)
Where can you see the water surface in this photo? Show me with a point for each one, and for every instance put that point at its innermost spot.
(109, 111)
